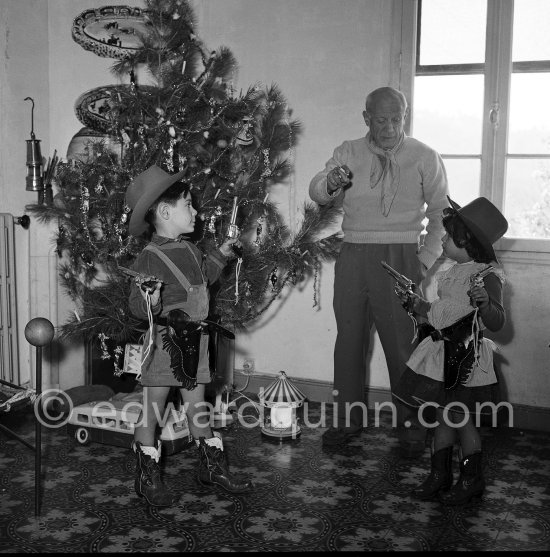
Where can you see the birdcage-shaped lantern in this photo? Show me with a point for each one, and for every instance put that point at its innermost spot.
(281, 399)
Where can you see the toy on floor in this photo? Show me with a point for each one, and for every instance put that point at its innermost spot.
(112, 422)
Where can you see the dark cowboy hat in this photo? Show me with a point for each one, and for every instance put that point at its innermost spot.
(483, 220)
(142, 193)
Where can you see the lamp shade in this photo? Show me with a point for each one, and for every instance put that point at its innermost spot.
(282, 392)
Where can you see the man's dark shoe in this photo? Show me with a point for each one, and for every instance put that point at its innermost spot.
(335, 436)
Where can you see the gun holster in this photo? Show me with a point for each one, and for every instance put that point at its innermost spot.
(459, 353)
(182, 340)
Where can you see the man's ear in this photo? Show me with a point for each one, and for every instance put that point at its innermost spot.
(366, 117)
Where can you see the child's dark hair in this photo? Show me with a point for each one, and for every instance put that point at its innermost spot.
(463, 238)
(171, 195)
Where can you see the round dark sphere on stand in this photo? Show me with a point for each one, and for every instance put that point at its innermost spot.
(39, 331)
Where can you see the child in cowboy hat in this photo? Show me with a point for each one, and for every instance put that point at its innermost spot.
(452, 368)
(171, 289)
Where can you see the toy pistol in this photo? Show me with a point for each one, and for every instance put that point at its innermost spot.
(233, 230)
(404, 287)
(477, 278)
(147, 283)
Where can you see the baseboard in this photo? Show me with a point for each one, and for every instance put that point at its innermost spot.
(531, 417)
(535, 418)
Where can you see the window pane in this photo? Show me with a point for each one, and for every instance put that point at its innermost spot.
(453, 32)
(527, 199)
(448, 111)
(529, 129)
(531, 30)
(463, 176)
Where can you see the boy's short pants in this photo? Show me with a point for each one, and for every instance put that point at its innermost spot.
(156, 370)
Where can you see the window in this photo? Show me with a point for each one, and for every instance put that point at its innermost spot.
(481, 97)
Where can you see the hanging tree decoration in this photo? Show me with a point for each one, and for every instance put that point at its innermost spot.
(273, 279)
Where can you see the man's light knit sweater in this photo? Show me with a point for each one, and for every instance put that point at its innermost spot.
(422, 193)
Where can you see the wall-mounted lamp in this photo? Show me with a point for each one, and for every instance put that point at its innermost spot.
(38, 179)
(281, 400)
(35, 180)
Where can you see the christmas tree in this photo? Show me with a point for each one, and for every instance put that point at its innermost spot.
(233, 147)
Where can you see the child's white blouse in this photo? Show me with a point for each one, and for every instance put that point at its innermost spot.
(452, 304)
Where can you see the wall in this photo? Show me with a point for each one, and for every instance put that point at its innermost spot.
(324, 55)
(24, 72)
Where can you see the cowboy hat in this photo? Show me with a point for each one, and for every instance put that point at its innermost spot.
(143, 191)
(483, 220)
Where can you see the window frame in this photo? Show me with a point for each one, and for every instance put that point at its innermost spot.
(405, 66)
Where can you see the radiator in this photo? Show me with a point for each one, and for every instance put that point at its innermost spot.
(9, 347)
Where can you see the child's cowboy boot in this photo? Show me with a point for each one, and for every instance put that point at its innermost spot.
(441, 475)
(148, 483)
(213, 468)
(470, 483)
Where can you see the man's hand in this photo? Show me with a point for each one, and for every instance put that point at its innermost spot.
(338, 177)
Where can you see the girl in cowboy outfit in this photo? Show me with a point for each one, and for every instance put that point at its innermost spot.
(452, 369)
(171, 292)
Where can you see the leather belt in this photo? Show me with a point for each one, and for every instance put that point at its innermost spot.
(205, 324)
(161, 321)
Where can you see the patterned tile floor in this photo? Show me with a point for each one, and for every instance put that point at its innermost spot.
(305, 498)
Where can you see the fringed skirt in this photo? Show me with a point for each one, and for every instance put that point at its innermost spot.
(418, 390)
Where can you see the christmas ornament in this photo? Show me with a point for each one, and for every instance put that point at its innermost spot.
(244, 135)
(212, 223)
(259, 228)
(267, 169)
(103, 345)
(170, 156)
(85, 200)
(99, 187)
(273, 279)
